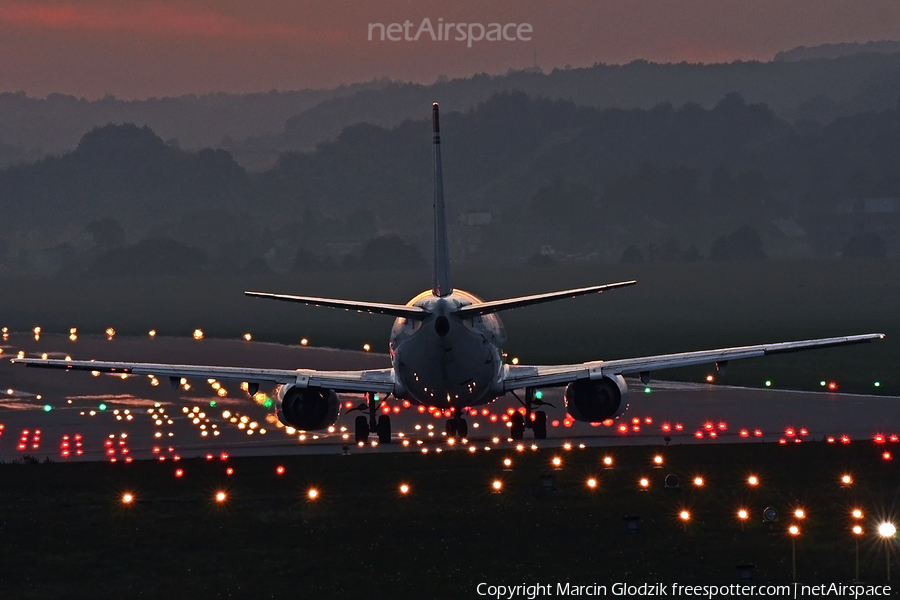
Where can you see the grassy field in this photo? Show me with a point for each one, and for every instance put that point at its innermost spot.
(674, 307)
(66, 533)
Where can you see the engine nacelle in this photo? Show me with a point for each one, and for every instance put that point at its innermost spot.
(595, 400)
(308, 409)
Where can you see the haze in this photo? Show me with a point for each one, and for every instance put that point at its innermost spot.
(145, 48)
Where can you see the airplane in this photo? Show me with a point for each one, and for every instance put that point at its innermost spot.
(445, 349)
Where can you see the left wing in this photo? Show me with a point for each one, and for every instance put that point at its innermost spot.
(376, 380)
(550, 375)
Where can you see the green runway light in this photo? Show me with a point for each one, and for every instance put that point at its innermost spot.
(647, 390)
(877, 384)
(768, 383)
(539, 394)
(102, 407)
(822, 383)
(268, 402)
(377, 397)
(212, 403)
(46, 408)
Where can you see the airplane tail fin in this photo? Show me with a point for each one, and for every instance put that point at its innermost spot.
(441, 285)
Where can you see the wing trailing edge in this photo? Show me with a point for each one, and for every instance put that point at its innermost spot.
(492, 306)
(394, 310)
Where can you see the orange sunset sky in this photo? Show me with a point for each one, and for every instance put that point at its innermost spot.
(141, 48)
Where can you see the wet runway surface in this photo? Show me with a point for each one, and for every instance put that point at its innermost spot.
(65, 416)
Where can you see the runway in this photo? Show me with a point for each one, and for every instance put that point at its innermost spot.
(64, 416)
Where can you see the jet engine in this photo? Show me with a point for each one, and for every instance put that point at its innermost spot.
(308, 409)
(595, 400)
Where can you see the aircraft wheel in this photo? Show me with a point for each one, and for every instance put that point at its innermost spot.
(384, 429)
(517, 431)
(539, 425)
(451, 428)
(462, 428)
(362, 429)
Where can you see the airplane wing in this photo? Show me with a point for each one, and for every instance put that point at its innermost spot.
(376, 380)
(395, 310)
(552, 375)
(492, 306)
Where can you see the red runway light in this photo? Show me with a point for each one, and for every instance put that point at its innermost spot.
(699, 434)
(830, 440)
(679, 426)
(179, 472)
(894, 438)
(623, 428)
(782, 441)
(666, 427)
(832, 386)
(845, 439)
(879, 438)
(708, 426)
(279, 470)
(757, 433)
(229, 471)
(744, 433)
(886, 456)
(555, 423)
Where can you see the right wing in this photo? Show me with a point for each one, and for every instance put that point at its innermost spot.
(376, 380)
(492, 306)
(550, 375)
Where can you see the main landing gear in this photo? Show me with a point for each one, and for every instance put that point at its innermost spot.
(520, 422)
(374, 423)
(457, 427)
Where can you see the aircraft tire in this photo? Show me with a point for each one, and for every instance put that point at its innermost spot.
(451, 428)
(539, 426)
(362, 429)
(384, 429)
(517, 431)
(462, 428)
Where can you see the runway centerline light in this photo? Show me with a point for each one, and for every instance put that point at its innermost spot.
(742, 514)
(698, 481)
(857, 530)
(657, 459)
(846, 480)
(799, 513)
(645, 482)
(497, 484)
(685, 515)
(794, 530)
(313, 493)
(608, 461)
(857, 514)
(753, 480)
(592, 483)
(404, 488)
(127, 498)
(220, 497)
(887, 530)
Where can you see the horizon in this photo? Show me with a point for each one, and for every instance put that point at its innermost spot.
(157, 48)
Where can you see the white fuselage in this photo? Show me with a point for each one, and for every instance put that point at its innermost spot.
(444, 360)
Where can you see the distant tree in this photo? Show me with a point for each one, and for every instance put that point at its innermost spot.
(865, 245)
(692, 254)
(742, 244)
(541, 260)
(107, 233)
(632, 255)
(161, 256)
(386, 252)
(256, 266)
(306, 261)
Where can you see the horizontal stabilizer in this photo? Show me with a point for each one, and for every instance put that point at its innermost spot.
(395, 310)
(486, 308)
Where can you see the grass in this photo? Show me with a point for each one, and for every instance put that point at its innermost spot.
(675, 307)
(66, 532)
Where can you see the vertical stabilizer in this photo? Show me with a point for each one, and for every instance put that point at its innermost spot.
(441, 284)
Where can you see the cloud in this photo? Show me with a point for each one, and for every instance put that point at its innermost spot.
(154, 18)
